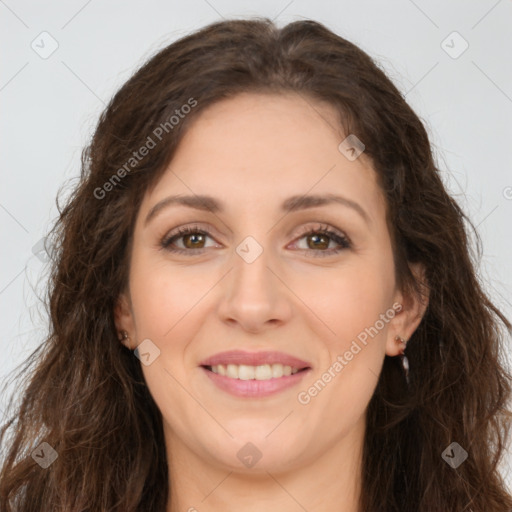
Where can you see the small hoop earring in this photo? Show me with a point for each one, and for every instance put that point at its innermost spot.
(123, 336)
(405, 361)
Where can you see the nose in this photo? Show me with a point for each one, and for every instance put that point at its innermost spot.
(255, 297)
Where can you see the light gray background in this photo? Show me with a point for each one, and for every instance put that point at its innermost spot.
(50, 105)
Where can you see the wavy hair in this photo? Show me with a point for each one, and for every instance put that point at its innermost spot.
(84, 393)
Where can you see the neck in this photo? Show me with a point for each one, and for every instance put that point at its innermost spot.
(327, 482)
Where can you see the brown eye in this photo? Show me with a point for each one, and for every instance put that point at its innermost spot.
(190, 238)
(320, 241)
(192, 241)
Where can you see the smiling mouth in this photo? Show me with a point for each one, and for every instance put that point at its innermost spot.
(248, 372)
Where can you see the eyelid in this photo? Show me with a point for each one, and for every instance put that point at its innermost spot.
(322, 226)
(344, 241)
(180, 231)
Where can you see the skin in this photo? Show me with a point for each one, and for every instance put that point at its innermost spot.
(252, 152)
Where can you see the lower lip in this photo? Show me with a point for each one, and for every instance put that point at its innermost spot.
(255, 388)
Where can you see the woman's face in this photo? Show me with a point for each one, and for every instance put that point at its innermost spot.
(258, 282)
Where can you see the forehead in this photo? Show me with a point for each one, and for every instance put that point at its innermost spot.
(259, 149)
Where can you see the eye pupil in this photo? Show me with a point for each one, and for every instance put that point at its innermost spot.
(318, 237)
(318, 241)
(197, 238)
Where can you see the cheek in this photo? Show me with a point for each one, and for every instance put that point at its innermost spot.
(166, 303)
(163, 297)
(355, 310)
(350, 299)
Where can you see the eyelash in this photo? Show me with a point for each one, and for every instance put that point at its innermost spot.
(336, 236)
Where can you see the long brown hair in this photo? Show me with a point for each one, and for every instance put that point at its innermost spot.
(85, 394)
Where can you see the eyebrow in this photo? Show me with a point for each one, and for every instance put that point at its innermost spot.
(292, 204)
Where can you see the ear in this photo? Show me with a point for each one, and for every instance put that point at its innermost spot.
(409, 316)
(123, 318)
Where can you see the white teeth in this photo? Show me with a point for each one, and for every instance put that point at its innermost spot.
(277, 370)
(263, 372)
(232, 371)
(246, 372)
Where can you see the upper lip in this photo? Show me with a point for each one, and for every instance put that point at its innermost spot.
(255, 359)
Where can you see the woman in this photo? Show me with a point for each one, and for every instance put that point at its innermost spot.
(262, 294)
